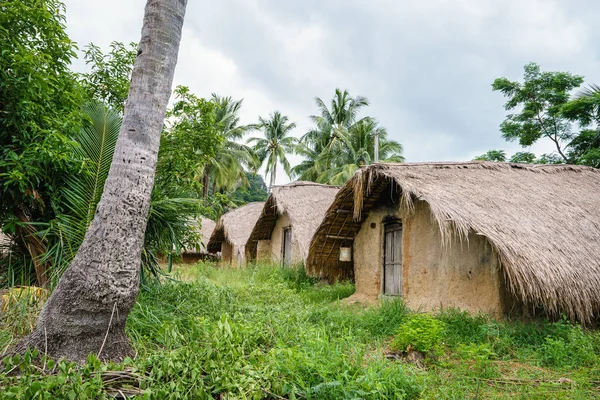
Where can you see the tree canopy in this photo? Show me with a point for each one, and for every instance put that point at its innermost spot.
(547, 109)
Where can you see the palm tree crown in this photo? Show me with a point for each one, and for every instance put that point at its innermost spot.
(276, 143)
(341, 143)
(227, 168)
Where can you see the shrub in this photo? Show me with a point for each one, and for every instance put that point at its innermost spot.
(420, 332)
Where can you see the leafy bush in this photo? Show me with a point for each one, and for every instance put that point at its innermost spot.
(575, 349)
(420, 332)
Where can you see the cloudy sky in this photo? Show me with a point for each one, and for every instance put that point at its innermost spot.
(426, 66)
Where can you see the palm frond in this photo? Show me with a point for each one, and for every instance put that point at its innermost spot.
(590, 91)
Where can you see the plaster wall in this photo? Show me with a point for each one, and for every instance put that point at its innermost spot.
(226, 252)
(263, 250)
(464, 274)
(277, 239)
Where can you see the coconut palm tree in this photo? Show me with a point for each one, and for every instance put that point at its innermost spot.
(87, 311)
(358, 151)
(331, 131)
(228, 167)
(276, 144)
(333, 125)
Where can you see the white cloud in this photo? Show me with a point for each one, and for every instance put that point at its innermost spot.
(426, 66)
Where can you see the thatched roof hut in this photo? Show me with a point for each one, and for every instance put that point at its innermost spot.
(540, 222)
(298, 208)
(232, 231)
(205, 228)
(4, 243)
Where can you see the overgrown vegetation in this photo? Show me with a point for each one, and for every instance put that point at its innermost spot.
(268, 332)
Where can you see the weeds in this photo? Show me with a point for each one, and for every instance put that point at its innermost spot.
(270, 332)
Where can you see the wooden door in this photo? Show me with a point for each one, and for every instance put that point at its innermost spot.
(392, 259)
(286, 246)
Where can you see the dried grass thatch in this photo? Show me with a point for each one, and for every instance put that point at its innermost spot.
(207, 226)
(305, 203)
(543, 221)
(4, 243)
(235, 226)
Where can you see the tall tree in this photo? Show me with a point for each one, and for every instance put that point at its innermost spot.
(333, 124)
(190, 141)
(39, 109)
(358, 151)
(87, 311)
(341, 142)
(540, 99)
(228, 167)
(276, 144)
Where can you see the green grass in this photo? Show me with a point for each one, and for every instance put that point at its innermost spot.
(267, 332)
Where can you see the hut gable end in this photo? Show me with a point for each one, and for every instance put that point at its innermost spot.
(235, 226)
(305, 204)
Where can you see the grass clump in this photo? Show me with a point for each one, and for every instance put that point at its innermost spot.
(420, 332)
(270, 332)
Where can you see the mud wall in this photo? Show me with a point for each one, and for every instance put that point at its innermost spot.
(226, 252)
(263, 250)
(464, 274)
(277, 239)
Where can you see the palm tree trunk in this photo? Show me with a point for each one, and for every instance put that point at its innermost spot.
(28, 237)
(273, 173)
(88, 309)
(214, 188)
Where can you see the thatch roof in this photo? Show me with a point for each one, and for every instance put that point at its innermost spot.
(235, 226)
(543, 222)
(305, 203)
(4, 243)
(207, 226)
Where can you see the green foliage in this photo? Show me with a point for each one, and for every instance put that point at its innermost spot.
(255, 191)
(227, 169)
(585, 148)
(493, 155)
(110, 74)
(171, 221)
(188, 143)
(340, 143)
(550, 343)
(524, 157)
(40, 108)
(540, 98)
(276, 144)
(81, 192)
(387, 319)
(569, 347)
(478, 352)
(172, 210)
(270, 332)
(420, 332)
(546, 110)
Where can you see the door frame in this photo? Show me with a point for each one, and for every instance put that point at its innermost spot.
(384, 222)
(283, 252)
